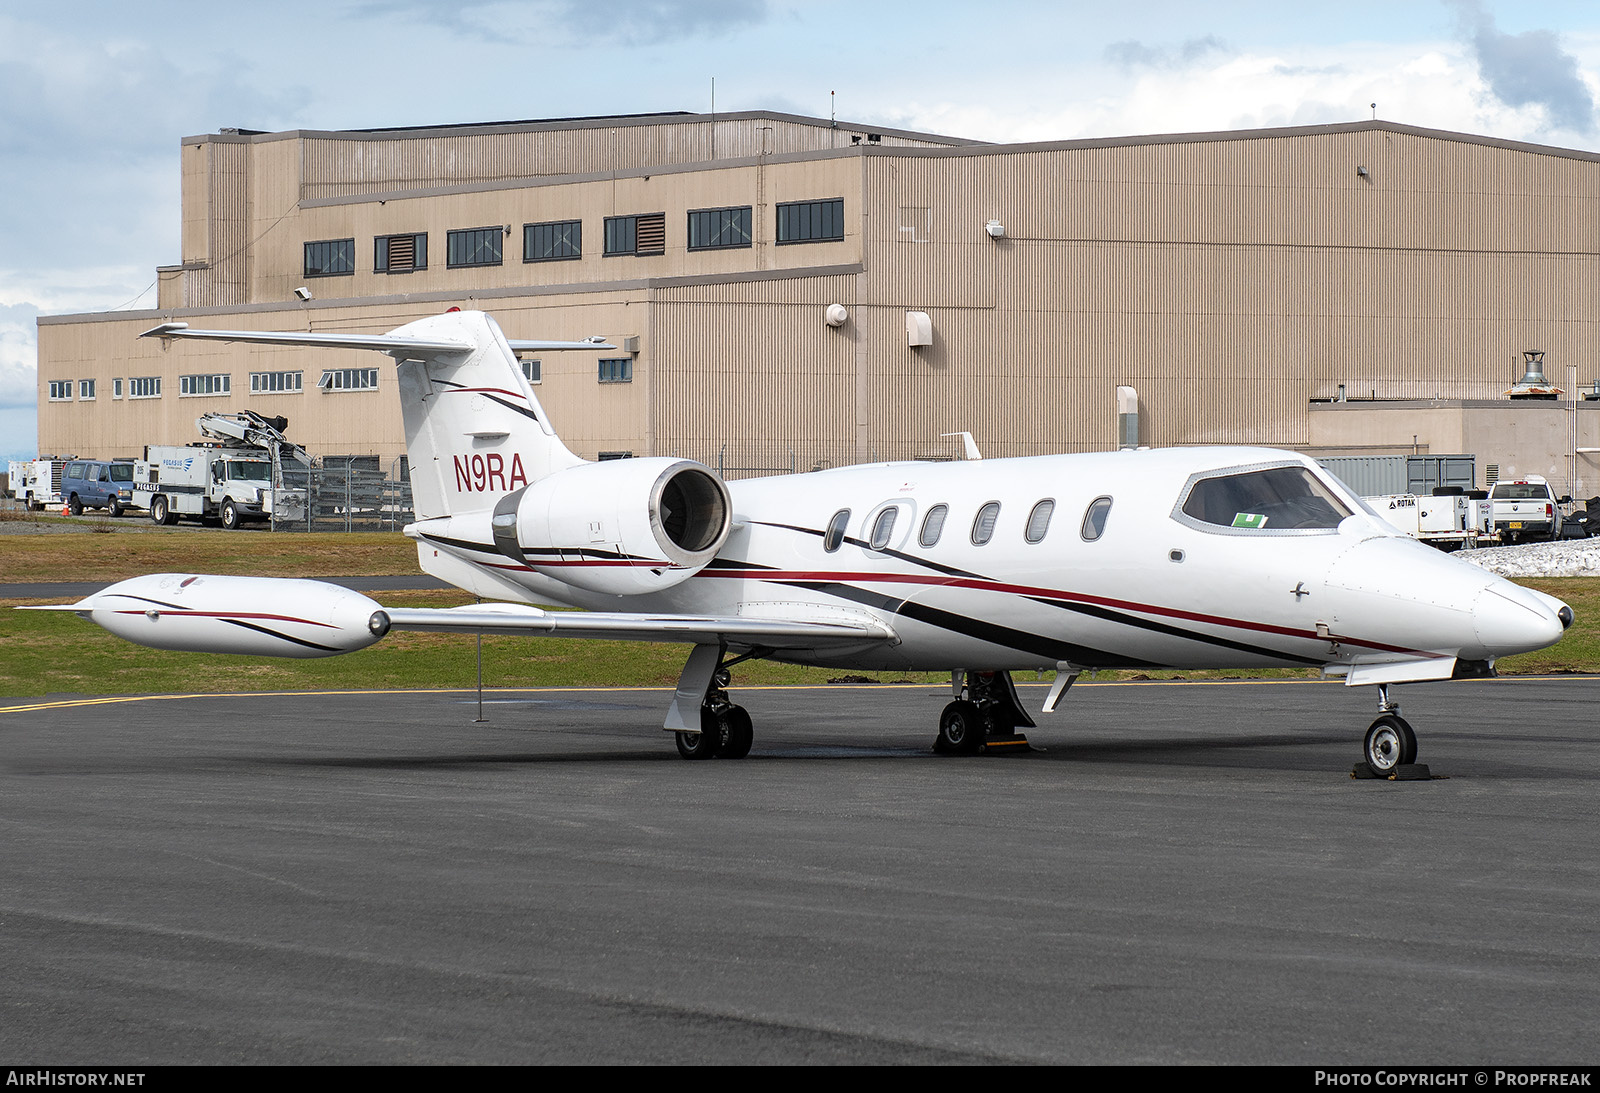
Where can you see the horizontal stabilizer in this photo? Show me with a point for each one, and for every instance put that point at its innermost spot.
(393, 344)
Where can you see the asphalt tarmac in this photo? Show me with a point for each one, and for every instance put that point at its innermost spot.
(1183, 873)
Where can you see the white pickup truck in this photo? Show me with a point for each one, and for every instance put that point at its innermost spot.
(1526, 509)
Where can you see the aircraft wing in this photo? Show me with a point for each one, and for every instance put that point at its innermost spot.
(695, 629)
(273, 616)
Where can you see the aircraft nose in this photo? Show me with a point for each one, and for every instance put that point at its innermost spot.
(1509, 619)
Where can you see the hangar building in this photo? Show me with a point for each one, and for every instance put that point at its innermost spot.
(1340, 289)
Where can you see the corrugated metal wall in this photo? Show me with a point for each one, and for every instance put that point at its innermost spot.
(348, 165)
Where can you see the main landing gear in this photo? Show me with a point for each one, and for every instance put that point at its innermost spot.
(985, 715)
(702, 703)
(1390, 744)
(726, 731)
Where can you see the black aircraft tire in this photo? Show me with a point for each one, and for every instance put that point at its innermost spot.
(1390, 743)
(741, 733)
(960, 729)
(705, 744)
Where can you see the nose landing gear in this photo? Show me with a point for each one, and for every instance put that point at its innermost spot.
(1390, 748)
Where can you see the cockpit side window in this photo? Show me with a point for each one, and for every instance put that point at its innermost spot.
(1272, 499)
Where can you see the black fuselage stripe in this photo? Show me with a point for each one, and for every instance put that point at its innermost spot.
(993, 633)
(1125, 619)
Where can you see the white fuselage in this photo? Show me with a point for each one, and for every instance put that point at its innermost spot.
(1152, 589)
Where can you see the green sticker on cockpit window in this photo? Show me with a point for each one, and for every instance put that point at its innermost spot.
(1249, 520)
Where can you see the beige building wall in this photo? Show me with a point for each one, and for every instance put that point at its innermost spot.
(1239, 281)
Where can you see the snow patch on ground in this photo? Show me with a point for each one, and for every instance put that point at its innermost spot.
(1568, 558)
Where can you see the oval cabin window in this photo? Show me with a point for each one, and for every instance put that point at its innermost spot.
(835, 533)
(983, 525)
(1094, 521)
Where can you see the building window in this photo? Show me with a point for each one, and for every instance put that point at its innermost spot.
(220, 384)
(532, 370)
(616, 369)
(330, 258)
(116, 388)
(712, 229)
(276, 383)
(60, 390)
(643, 234)
(473, 247)
(811, 221)
(144, 387)
(349, 379)
(400, 253)
(553, 241)
(606, 457)
(86, 390)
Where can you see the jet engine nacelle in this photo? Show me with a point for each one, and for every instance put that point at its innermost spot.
(261, 616)
(620, 527)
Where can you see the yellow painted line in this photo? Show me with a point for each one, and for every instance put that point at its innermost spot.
(106, 700)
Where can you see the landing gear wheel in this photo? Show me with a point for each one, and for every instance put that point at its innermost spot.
(1390, 743)
(159, 512)
(230, 515)
(739, 733)
(705, 744)
(75, 506)
(960, 729)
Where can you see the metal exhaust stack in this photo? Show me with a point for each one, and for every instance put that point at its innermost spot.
(1533, 384)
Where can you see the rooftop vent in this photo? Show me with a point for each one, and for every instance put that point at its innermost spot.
(1533, 384)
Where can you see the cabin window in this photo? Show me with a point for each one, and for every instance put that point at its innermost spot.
(883, 527)
(983, 523)
(933, 525)
(1094, 520)
(1275, 498)
(1039, 521)
(835, 533)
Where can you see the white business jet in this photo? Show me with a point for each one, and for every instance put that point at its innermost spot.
(1191, 558)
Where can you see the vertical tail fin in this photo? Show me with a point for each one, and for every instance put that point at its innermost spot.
(474, 429)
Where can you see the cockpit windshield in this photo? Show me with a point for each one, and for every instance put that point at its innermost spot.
(1275, 498)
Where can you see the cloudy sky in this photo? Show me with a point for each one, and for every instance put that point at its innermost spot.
(95, 96)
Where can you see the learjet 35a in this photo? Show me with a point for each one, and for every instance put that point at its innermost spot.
(1193, 558)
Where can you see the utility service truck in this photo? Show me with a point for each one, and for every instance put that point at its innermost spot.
(1450, 519)
(246, 470)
